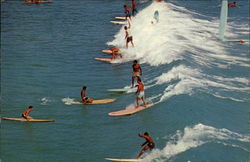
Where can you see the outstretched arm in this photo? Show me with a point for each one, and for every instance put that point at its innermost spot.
(129, 25)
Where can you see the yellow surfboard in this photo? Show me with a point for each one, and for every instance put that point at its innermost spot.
(130, 111)
(95, 102)
(31, 120)
(131, 160)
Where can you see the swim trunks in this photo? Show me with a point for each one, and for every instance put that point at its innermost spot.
(140, 94)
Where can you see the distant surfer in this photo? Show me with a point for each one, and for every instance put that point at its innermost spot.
(25, 113)
(140, 93)
(127, 10)
(128, 36)
(85, 99)
(134, 10)
(137, 71)
(232, 4)
(149, 141)
(115, 52)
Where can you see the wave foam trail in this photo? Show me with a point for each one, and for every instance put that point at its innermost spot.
(164, 42)
(193, 137)
(189, 41)
(67, 101)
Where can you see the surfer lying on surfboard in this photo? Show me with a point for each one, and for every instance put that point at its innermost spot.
(35, 1)
(232, 4)
(25, 113)
(85, 100)
(140, 93)
(149, 141)
(115, 52)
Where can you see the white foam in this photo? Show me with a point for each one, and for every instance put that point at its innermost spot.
(67, 101)
(192, 137)
(45, 101)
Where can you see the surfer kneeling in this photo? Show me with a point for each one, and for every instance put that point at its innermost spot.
(85, 99)
(140, 93)
(25, 113)
(232, 4)
(149, 141)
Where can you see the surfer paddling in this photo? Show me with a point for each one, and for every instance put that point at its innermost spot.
(140, 93)
(232, 4)
(149, 141)
(128, 35)
(85, 100)
(115, 52)
(25, 113)
(137, 71)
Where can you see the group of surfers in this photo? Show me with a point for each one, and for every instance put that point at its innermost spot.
(137, 72)
(148, 144)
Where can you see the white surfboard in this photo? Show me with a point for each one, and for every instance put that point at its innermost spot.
(125, 160)
(120, 17)
(126, 89)
(119, 22)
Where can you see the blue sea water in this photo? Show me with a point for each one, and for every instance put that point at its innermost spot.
(199, 84)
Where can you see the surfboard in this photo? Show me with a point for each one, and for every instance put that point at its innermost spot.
(120, 17)
(128, 90)
(31, 120)
(108, 60)
(156, 16)
(38, 2)
(95, 102)
(129, 111)
(119, 22)
(125, 160)
(109, 51)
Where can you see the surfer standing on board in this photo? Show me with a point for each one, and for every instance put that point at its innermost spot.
(127, 11)
(137, 71)
(128, 35)
(140, 93)
(25, 113)
(149, 141)
(85, 99)
(134, 10)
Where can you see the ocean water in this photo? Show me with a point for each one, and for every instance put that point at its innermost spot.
(200, 85)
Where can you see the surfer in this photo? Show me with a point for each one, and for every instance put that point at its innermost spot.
(149, 141)
(134, 10)
(85, 99)
(115, 52)
(128, 36)
(232, 4)
(140, 93)
(25, 113)
(137, 71)
(127, 11)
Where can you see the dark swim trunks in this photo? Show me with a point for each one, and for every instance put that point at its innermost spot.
(151, 145)
(129, 39)
(23, 116)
